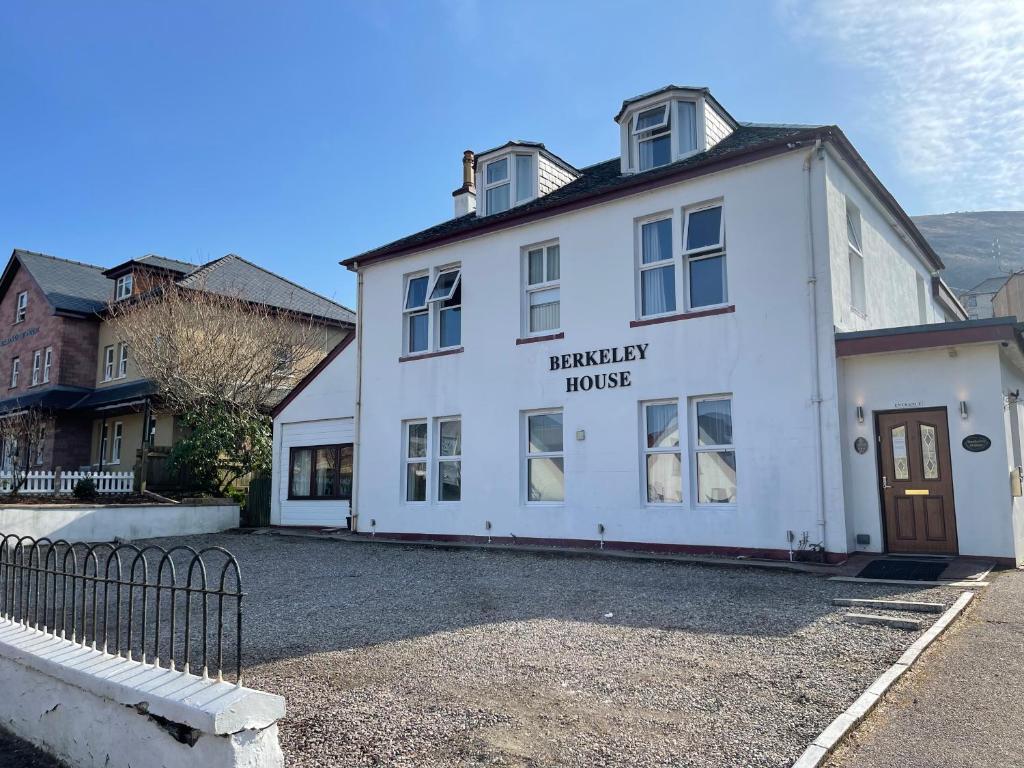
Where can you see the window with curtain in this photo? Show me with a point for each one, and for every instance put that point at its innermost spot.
(417, 316)
(686, 126)
(321, 472)
(543, 289)
(657, 268)
(714, 453)
(663, 459)
(652, 132)
(545, 457)
(507, 181)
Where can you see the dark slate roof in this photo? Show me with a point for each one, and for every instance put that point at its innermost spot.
(69, 285)
(162, 262)
(594, 181)
(55, 398)
(232, 275)
(989, 285)
(121, 393)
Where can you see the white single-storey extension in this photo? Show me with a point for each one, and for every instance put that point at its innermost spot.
(314, 431)
(730, 339)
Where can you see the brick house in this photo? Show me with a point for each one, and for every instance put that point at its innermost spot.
(59, 352)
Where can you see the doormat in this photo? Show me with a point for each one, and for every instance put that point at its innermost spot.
(904, 570)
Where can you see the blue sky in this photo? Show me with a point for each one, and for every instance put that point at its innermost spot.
(297, 134)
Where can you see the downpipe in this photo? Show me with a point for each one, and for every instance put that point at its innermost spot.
(812, 293)
(356, 431)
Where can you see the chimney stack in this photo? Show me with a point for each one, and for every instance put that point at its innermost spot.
(465, 196)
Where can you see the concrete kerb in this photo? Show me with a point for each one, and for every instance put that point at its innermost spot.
(837, 730)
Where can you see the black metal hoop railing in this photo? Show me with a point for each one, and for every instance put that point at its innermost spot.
(144, 603)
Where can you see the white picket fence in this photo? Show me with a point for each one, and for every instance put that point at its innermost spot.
(43, 483)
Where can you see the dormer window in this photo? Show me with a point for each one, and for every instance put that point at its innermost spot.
(124, 287)
(669, 125)
(652, 133)
(508, 181)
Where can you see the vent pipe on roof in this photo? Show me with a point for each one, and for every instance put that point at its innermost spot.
(465, 196)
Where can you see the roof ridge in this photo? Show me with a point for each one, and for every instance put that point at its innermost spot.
(58, 258)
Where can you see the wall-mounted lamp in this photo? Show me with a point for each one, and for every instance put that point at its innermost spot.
(860, 414)
(963, 409)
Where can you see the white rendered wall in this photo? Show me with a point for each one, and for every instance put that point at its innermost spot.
(761, 354)
(86, 522)
(890, 265)
(92, 710)
(321, 414)
(929, 379)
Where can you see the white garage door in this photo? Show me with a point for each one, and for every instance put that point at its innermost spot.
(319, 512)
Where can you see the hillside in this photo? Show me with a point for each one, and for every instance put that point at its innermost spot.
(964, 242)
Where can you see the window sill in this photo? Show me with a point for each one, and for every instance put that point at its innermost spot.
(683, 316)
(425, 355)
(535, 339)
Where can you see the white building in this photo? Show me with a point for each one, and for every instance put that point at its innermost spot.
(681, 348)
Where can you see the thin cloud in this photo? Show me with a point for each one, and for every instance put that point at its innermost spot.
(950, 85)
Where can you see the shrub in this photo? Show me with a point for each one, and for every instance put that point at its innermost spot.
(85, 489)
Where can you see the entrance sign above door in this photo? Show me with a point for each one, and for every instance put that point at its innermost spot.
(976, 443)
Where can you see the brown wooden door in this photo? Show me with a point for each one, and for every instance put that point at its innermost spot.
(917, 482)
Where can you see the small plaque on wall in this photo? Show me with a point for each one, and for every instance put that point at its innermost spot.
(860, 445)
(976, 443)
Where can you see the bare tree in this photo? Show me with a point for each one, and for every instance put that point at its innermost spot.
(22, 436)
(220, 362)
(200, 347)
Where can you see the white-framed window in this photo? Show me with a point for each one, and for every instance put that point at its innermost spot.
(704, 254)
(508, 180)
(416, 461)
(449, 459)
(714, 455)
(123, 287)
(47, 363)
(856, 257)
(446, 307)
(659, 134)
(15, 370)
(108, 363)
(37, 366)
(433, 310)
(40, 448)
(115, 447)
(542, 273)
(122, 360)
(692, 278)
(922, 300)
(544, 457)
(657, 266)
(104, 433)
(662, 452)
(21, 308)
(652, 133)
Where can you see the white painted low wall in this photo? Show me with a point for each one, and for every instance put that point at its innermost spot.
(105, 522)
(91, 709)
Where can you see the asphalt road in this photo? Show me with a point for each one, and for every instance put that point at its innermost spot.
(15, 753)
(962, 705)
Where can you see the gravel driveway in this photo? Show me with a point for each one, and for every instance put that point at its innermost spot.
(411, 656)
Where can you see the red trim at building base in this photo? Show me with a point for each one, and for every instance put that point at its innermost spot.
(620, 546)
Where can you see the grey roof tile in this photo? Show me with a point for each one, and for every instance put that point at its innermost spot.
(989, 285)
(232, 275)
(164, 263)
(69, 285)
